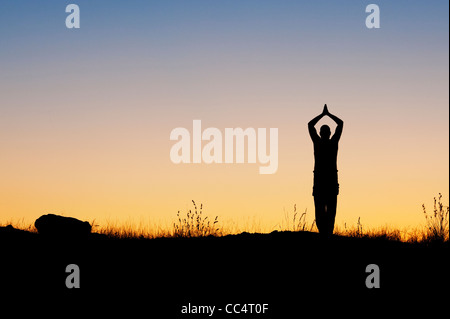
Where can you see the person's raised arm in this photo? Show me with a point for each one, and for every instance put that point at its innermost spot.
(340, 124)
(312, 129)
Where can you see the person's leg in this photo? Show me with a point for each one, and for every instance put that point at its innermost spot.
(319, 204)
(331, 204)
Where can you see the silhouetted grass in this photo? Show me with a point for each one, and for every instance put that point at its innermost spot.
(297, 222)
(127, 230)
(194, 223)
(437, 223)
(382, 233)
(20, 224)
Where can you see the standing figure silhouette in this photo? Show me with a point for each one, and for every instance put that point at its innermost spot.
(326, 186)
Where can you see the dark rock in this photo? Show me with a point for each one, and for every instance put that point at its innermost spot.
(55, 225)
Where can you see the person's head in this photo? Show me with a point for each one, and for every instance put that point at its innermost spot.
(325, 132)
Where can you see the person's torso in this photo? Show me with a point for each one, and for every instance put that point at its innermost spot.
(325, 156)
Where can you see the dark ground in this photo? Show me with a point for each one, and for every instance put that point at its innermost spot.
(294, 273)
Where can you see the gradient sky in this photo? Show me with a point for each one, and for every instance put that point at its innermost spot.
(85, 114)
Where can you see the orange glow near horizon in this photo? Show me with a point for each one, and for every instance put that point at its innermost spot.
(98, 173)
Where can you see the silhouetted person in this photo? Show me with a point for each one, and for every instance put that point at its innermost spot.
(326, 186)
